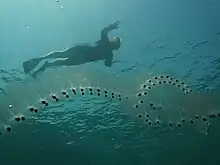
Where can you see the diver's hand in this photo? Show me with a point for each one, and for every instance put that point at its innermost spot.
(115, 25)
(109, 28)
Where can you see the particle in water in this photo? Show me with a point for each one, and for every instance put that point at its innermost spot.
(179, 125)
(145, 93)
(8, 128)
(158, 121)
(139, 115)
(141, 101)
(22, 118)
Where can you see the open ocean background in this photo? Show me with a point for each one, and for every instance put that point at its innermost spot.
(181, 37)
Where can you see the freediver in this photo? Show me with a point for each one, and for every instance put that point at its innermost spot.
(79, 54)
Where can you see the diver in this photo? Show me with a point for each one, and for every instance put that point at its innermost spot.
(79, 54)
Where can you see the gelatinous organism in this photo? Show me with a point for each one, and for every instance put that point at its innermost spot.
(26, 99)
(159, 101)
(170, 101)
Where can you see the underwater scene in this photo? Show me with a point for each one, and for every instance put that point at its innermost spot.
(108, 82)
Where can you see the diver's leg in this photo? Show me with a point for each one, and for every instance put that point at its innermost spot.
(32, 63)
(61, 54)
(61, 62)
(57, 63)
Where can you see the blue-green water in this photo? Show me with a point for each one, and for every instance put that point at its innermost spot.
(181, 38)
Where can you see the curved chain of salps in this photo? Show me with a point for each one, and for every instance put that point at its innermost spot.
(148, 110)
(63, 95)
(145, 90)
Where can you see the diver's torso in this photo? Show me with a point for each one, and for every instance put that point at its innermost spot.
(100, 51)
(87, 53)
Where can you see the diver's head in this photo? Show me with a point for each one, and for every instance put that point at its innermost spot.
(116, 43)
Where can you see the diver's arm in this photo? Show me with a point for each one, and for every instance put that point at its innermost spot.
(106, 30)
(109, 60)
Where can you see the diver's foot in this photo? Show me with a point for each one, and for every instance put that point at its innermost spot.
(30, 64)
(34, 75)
(44, 66)
(42, 69)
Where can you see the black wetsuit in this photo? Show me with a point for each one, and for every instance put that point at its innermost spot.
(85, 53)
(79, 54)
